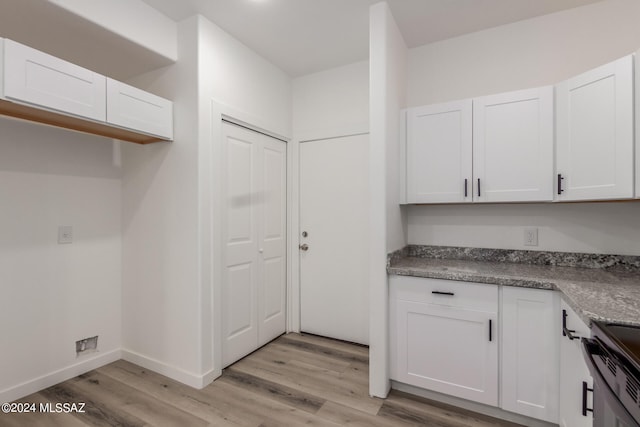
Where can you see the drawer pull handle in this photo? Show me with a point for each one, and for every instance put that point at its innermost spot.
(442, 293)
(560, 178)
(490, 330)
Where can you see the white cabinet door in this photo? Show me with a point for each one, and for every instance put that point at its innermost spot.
(594, 155)
(135, 109)
(254, 275)
(530, 355)
(39, 79)
(439, 153)
(513, 146)
(2, 41)
(439, 346)
(575, 379)
(636, 105)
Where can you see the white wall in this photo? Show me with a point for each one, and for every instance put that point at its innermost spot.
(162, 319)
(240, 84)
(524, 54)
(124, 17)
(243, 83)
(535, 52)
(609, 228)
(171, 219)
(387, 91)
(54, 295)
(333, 102)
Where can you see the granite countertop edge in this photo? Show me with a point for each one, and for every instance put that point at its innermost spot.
(595, 294)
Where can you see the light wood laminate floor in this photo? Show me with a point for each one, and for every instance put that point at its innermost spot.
(295, 380)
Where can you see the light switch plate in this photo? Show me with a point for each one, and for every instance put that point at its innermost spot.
(65, 234)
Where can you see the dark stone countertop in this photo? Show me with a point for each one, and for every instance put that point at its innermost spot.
(609, 293)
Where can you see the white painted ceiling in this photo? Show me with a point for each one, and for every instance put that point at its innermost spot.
(305, 36)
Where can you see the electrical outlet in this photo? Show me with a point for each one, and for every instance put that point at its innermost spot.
(89, 345)
(531, 237)
(65, 234)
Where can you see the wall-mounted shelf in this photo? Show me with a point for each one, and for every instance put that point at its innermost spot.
(11, 109)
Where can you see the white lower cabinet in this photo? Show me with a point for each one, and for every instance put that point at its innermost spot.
(576, 398)
(444, 337)
(530, 354)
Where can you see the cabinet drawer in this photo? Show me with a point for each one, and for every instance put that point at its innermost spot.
(39, 79)
(138, 110)
(474, 296)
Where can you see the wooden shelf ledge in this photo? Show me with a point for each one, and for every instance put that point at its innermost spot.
(51, 118)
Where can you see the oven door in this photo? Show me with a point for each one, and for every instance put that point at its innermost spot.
(608, 411)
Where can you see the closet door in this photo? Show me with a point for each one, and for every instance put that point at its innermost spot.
(254, 241)
(272, 253)
(240, 237)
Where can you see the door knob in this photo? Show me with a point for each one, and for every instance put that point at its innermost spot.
(304, 247)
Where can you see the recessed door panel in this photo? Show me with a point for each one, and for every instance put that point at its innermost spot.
(241, 288)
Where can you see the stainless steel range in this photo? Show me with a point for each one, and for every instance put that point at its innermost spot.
(613, 357)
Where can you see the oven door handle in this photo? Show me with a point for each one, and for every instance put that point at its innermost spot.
(589, 348)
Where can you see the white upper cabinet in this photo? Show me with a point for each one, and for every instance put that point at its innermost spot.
(438, 157)
(594, 154)
(41, 88)
(42, 80)
(136, 109)
(496, 148)
(513, 146)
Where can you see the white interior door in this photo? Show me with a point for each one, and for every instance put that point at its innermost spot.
(272, 251)
(334, 192)
(254, 251)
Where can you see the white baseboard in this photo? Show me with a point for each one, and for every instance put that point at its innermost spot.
(188, 378)
(53, 378)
